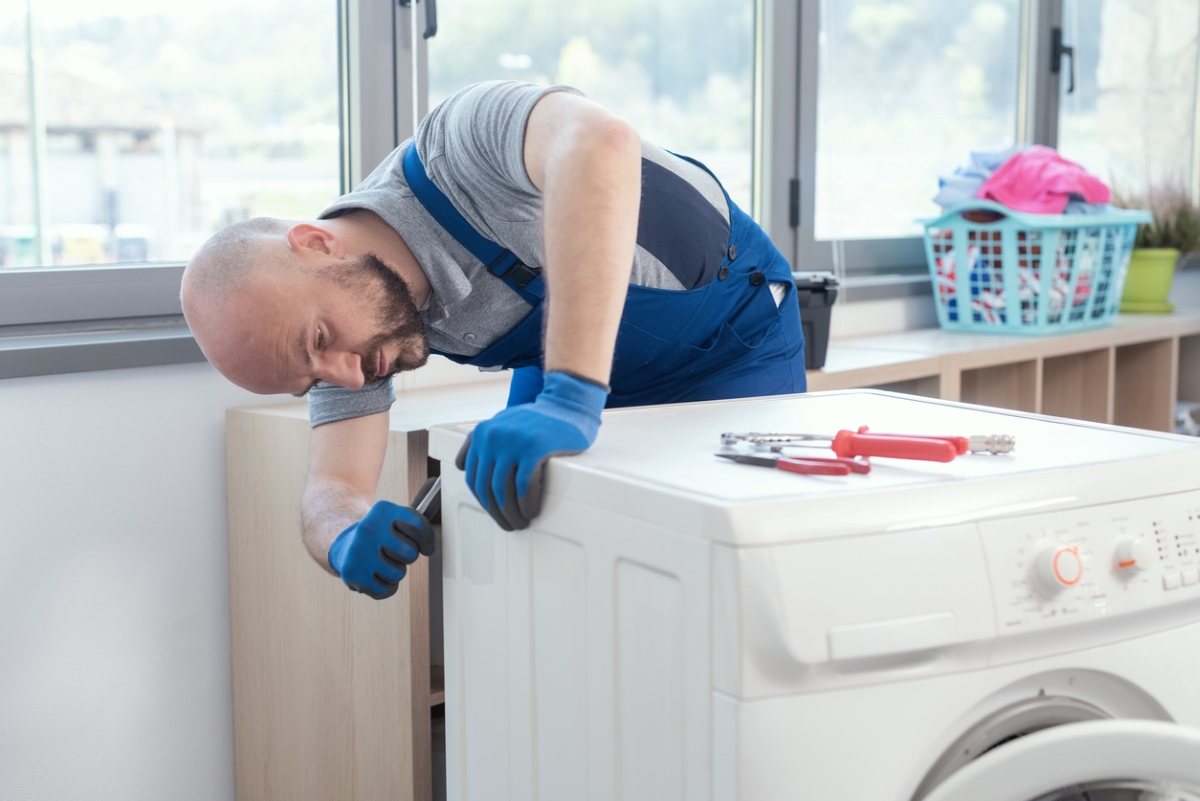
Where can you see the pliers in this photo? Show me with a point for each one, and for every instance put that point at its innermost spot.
(806, 465)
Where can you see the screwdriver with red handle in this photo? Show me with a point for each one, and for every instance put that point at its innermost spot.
(851, 444)
(864, 443)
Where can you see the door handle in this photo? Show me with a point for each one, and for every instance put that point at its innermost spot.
(430, 16)
(1057, 51)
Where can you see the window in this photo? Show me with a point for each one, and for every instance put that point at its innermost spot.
(830, 120)
(905, 92)
(1131, 117)
(680, 71)
(156, 124)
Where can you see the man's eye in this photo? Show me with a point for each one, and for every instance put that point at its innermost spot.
(320, 338)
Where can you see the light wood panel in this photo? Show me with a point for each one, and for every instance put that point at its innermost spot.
(1007, 386)
(331, 688)
(333, 692)
(929, 386)
(1114, 374)
(1079, 385)
(1189, 368)
(1146, 385)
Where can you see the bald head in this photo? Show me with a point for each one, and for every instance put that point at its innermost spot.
(228, 261)
(277, 306)
(226, 298)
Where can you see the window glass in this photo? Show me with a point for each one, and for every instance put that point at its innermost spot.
(906, 90)
(163, 123)
(1131, 118)
(680, 71)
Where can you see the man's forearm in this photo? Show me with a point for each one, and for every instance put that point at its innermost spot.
(589, 167)
(345, 461)
(326, 509)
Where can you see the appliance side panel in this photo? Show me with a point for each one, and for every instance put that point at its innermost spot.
(725, 746)
(560, 665)
(726, 617)
(453, 490)
(484, 656)
(650, 663)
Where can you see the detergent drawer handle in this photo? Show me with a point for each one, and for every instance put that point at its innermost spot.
(898, 636)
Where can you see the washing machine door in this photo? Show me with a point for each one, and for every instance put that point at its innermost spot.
(1106, 760)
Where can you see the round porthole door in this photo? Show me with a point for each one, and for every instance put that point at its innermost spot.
(1099, 760)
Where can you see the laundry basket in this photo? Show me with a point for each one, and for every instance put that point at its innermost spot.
(1028, 273)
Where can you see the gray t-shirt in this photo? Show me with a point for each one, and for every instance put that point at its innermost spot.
(472, 146)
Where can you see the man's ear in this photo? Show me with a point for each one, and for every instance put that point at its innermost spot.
(308, 237)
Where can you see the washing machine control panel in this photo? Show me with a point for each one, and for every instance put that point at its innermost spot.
(1063, 567)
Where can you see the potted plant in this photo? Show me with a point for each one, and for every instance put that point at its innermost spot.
(1174, 231)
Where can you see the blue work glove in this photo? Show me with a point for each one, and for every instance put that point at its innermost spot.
(526, 384)
(505, 457)
(373, 555)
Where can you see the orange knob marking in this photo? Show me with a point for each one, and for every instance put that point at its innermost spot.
(1074, 549)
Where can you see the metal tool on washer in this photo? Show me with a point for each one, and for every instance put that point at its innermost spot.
(806, 465)
(850, 444)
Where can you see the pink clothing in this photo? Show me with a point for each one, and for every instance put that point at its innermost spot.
(1040, 181)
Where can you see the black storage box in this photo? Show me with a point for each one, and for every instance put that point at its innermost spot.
(817, 293)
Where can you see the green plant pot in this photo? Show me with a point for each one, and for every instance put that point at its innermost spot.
(1148, 282)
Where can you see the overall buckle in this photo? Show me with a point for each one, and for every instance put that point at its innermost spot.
(520, 273)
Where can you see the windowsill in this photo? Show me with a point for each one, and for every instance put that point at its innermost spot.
(28, 351)
(857, 288)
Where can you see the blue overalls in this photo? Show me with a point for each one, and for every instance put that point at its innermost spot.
(725, 339)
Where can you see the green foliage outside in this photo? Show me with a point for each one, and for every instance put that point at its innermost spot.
(680, 71)
(259, 84)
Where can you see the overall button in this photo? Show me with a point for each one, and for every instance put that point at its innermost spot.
(757, 278)
(469, 337)
(732, 252)
(722, 273)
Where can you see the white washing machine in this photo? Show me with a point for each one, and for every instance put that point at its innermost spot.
(679, 627)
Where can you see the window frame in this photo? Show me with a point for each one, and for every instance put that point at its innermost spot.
(871, 269)
(111, 316)
(95, 317)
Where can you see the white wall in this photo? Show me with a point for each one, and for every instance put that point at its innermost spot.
(876, 317)
(114, 591)
(114, 582)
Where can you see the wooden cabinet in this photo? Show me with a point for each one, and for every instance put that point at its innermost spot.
(332, 691)
(1129, 374)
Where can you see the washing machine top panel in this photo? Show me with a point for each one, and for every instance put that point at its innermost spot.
(659, 462)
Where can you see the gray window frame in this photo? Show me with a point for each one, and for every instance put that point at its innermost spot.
(784, 145)
(871, 269)
(102, 317)
(57, 320)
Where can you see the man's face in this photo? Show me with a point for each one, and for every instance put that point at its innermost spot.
(382, 330)
(348, 324)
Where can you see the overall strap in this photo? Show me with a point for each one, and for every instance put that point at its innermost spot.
(500, 261)
(704, 167)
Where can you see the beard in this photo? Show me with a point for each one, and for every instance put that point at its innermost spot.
(394, 312)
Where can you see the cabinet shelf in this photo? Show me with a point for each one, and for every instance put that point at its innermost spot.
(1130, 374)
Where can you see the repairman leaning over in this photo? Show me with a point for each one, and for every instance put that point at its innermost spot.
(527, 228)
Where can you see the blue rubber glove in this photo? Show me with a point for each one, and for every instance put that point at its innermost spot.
(372, 556)
(505, 457)
(526, 383)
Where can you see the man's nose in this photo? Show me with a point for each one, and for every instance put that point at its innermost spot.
(343, 369)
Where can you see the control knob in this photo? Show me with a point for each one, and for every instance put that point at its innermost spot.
(1055, 567)
(1133, 555)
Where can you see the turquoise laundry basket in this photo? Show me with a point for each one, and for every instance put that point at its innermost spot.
(1028, 273)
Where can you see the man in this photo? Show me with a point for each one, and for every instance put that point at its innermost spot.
(523, 227)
